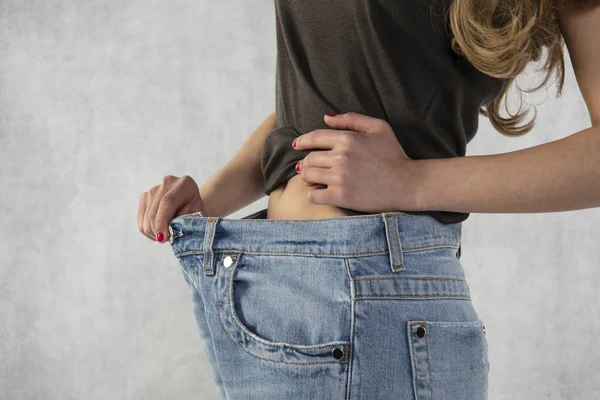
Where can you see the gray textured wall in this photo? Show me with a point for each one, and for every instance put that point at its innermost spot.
(100, 100)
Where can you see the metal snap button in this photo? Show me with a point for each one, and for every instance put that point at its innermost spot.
(337, 353)
(227, 261)
(420, 332)
(170, 234)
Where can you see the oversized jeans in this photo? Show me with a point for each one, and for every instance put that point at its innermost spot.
(370, 307)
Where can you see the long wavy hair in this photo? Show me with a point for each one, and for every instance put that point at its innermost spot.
(500, 37)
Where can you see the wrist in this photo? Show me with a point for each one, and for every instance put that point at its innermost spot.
(208, 203)
(422, 173)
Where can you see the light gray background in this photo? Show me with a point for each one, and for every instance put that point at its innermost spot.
(100, 99)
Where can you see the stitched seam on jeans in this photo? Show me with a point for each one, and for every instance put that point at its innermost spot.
(413, 360)
(413, 249)
(377, 215)
(410, 278)
(429, 362)
(353, 299)
(258, 338)
(252, 354)
(414, 297)
(395, 225)
(455, 325)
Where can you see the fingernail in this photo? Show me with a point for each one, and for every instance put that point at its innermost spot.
(160, 236)
(294, 143)
(331, 115)
(298, 166)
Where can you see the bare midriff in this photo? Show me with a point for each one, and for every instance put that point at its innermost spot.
(290, 201)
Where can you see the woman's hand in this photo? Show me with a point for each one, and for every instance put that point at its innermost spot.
(364, 167)
(159, 205)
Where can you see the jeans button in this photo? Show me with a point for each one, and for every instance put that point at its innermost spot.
(337, 353)
(420, 332)
(228, 261)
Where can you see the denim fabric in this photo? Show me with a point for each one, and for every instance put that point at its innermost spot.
(372, 306)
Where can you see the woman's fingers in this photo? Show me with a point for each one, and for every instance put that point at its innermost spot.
(146, 223)
(319, 176)
(320, 158)
(159, 205)
(165, 212)
(140, 213)
(159, 192)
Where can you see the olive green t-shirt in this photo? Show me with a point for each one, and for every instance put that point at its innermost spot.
(388, 59)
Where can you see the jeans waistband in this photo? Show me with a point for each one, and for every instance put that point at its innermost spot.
(345, 236)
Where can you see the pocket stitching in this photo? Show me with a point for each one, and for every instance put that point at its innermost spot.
(452, 324)
(442, 324)
(259, 338)
(267, 359)
(280, 346)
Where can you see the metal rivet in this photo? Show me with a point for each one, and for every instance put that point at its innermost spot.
(170, 234)
(228, 261)
(337, 353)
(420, 331)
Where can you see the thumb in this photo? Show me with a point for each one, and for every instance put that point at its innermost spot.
(353, 121)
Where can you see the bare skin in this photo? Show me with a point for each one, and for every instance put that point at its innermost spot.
(289, 201)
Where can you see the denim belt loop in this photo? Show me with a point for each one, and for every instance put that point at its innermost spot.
(209, 235)
(393, 240)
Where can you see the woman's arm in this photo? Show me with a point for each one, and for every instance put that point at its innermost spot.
(239, 182)
(562, 175)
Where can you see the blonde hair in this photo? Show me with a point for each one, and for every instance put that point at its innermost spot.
(500, 37)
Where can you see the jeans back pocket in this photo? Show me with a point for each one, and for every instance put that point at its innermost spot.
(449, 360)
(286, 309)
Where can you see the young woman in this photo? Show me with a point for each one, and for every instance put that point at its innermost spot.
(349, 285)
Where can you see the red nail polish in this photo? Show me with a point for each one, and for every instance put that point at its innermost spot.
(160, 237)
(331, 115)
(298, 166)
(294, 143)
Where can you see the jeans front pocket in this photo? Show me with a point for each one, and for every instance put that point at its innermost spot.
(449, 360)
(286, 309)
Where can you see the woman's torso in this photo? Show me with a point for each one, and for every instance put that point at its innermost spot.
(290, 201)
(389, 59)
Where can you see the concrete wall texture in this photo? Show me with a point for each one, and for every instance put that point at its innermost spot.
(100, 100)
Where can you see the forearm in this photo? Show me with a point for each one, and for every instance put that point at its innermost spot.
(239, 182)
(562, 175)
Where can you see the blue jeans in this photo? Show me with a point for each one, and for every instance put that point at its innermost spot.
(367, 307)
